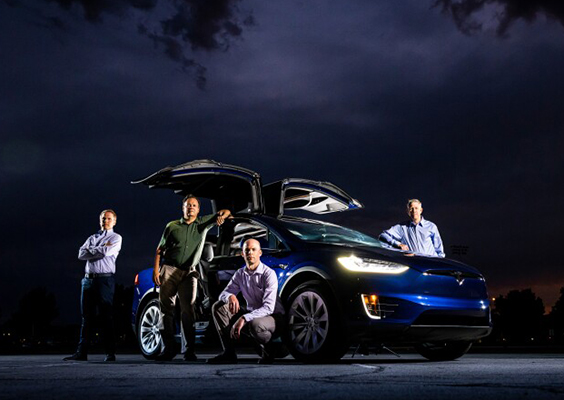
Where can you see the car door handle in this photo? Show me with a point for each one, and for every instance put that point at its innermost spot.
(282, 266)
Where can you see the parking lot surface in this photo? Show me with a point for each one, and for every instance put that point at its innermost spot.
(475, 376)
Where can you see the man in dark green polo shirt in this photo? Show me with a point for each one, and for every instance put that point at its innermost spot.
(179, 250)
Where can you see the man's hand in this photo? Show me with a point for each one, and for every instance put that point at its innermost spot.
(222, 215)
(156, 277)
(233, 304)
(109, 244)
(403, 247)
(236, 329)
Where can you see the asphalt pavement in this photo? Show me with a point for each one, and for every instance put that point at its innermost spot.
(475, 376)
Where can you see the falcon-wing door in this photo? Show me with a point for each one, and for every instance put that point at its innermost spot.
(307, 195)
(228, 186)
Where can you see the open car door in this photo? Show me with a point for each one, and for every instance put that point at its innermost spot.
(307, 195)
(228, 186)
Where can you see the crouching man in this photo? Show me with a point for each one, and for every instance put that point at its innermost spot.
(264, 312)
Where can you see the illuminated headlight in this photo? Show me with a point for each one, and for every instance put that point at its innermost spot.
(358, 264)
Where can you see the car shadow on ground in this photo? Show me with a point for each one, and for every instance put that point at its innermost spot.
(286, 361)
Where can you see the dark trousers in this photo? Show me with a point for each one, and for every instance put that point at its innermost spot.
(97, 293)
(262, 330)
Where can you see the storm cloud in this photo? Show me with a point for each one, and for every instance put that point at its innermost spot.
(470, 16)
(180, 27)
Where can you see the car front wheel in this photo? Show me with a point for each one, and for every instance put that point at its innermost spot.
(148, 330)
(443, 351)
(314, 333)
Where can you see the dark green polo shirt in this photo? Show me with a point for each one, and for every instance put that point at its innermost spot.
(181, 241)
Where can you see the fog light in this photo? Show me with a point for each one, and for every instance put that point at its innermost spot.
(372, 306)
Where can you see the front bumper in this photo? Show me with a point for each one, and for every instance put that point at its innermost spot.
(437, 312)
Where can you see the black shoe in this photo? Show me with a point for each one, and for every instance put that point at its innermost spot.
(190, 356)
(110, 358)
(267, 357)
(165, 357)
(223, 358)
(76, 357)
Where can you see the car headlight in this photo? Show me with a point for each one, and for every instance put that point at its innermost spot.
(353, 263)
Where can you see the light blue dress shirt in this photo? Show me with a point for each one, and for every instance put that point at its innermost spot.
(422, 238)
(99, 256)
(259, 288)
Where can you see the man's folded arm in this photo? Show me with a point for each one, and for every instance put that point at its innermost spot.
(84, 253)
(391, 236)
(111, 248)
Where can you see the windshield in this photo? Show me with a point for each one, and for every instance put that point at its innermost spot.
(329, 233)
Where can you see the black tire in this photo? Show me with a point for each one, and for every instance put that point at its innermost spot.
(443, 351)
(315, 331)
(148, 330)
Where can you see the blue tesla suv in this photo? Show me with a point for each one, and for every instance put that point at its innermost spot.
(340, 287)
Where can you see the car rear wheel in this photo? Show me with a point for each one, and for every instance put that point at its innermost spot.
(443, 351)
(314, 333)
(148, 330)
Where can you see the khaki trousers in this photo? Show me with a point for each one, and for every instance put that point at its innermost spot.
(184, 283)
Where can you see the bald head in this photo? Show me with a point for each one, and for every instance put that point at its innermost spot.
(252, 253)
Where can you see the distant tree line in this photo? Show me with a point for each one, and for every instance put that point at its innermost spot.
(519, 319)
(31, 326)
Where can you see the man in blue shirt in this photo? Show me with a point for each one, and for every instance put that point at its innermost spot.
(100, 252)
(418, 235)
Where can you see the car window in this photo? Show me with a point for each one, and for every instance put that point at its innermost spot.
(248, 230)
(274, 242)
(329, 233)
(244, 231)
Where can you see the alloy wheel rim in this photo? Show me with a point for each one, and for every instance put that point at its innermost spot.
(150, 329)
(308, 322)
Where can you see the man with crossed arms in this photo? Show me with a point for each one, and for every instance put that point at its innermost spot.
(100, 252)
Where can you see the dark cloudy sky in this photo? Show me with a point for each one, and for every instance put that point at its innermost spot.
(459, 103)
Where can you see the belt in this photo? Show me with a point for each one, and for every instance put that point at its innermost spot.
(182, 267)
(90, 276)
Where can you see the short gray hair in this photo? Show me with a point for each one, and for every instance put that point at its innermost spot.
(413, 201)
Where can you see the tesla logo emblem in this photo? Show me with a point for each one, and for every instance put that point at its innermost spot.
(458, 276)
